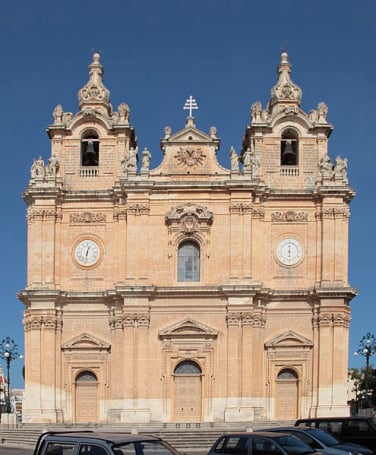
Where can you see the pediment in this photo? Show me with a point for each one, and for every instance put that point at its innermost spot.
(289, 339)
(189, 135)
(188, 328)
(86, 341)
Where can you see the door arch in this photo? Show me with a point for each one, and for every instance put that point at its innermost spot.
(86, 397)
(287, 394)
(187, 392)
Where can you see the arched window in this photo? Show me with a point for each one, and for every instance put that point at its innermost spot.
(86, 376)
(90, 149)
(289, 148)
(287, 373)
(187, 367)
(189, 262)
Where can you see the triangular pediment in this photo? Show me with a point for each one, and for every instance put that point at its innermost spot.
(187, 328)
(86, 341)
(189, 135)
(289, 339)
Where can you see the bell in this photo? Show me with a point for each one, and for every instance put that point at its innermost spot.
(90, 156)
(288, 155)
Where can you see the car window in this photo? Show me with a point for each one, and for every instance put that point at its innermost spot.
(236, 444)
(143, 448)
(307, 439)
(59, 448)
(92, 449)
(358, 426)
(262, 446)
(294, 445)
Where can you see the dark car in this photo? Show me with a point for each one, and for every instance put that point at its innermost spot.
(355, 429)
(260, 443)
(323, 441)
(101, 443)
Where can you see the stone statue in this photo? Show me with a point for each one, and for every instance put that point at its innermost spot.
(340, 168)
(247, 160)
(256, 111)
(37, 168)
(234, 160)
(52, 166)
(129, 163)
(58, 114)
(255, 163)
(326, 167)
(322, 110)
(146, 157)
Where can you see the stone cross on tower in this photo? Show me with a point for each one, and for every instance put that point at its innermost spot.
(190, 104)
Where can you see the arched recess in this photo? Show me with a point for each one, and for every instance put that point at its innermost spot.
(187, 392)
(288, 351)
(287, 394)
(90, 148)
(86, 397)
(192, 341)
(289, 148)
(85, 353)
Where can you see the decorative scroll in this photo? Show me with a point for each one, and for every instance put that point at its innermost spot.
(138, 209)
(87, 217)
(240, 319)
(44, 215)
(290, 216)
(135, 320)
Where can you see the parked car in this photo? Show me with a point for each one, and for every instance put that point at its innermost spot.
(98, 443)
(356, 429)
(260, 443)
(321, 440)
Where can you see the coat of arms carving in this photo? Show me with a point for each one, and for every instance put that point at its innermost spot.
(189, 156)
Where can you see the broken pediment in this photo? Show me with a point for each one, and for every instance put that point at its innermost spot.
(289, 339)
(85, 341)
(188, 328)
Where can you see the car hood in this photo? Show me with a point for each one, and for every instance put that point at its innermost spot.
(351, 447)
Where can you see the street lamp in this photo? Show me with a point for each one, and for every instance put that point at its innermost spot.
(9, 352)
(367, 347)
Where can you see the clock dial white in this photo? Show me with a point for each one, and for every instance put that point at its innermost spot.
(87, 252)
(289, 251)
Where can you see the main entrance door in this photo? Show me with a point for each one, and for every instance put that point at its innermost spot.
(287, 395)
(86, 397)
(187, 392)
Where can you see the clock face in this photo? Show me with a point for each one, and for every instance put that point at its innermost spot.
(289, 251)
(87, 252)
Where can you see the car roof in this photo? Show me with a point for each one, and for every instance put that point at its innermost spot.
(113, 437)
(268, 434)
(312, 419)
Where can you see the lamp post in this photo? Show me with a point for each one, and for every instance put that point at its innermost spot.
(9, 352)
(367, 347)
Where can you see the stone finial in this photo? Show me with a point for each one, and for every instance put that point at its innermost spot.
(285, 90)
(94, 93)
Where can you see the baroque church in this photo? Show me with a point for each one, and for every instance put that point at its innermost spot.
(187, 292)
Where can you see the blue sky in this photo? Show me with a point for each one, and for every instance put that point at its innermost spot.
(158, 52)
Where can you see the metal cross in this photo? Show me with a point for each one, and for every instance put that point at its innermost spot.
(190, 104)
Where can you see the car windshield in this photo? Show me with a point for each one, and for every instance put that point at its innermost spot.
(293, 445)
(143, 448)
(324, 437)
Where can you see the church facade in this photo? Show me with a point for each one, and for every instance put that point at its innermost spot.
(189, 292)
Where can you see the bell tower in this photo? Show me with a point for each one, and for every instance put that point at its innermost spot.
(75, 213)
